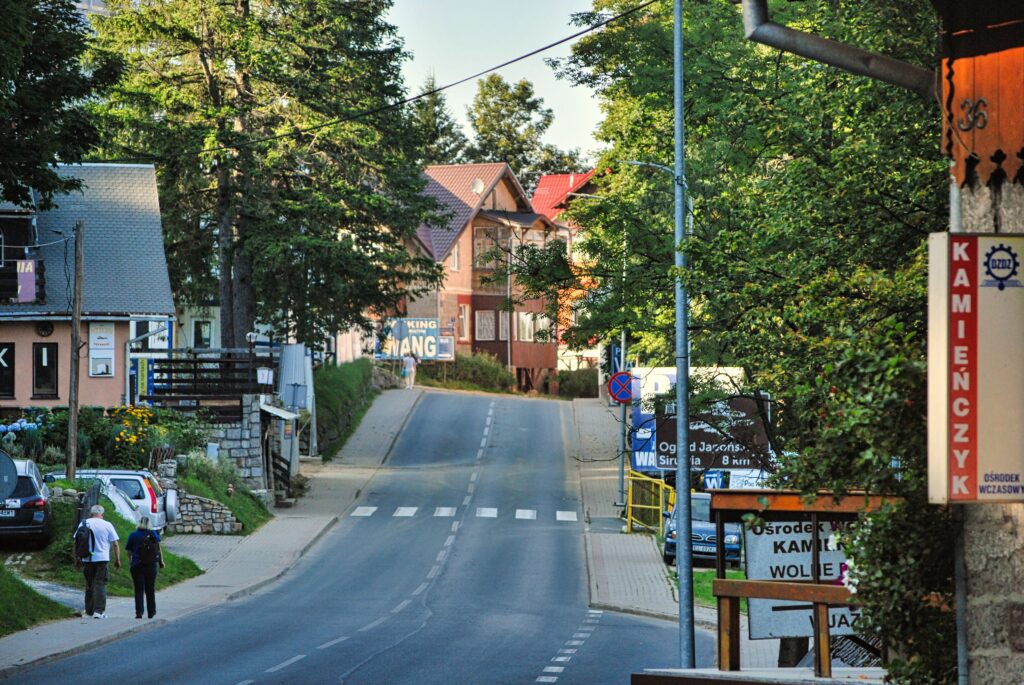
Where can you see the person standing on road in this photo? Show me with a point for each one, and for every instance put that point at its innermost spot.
(409, 364)
(144, 547)
(104, 539)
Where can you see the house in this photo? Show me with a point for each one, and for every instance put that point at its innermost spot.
(551, 198)
(490, 216)
(125, 286)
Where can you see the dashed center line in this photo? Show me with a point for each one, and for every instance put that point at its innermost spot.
(434, 570)
(471, 488)
(455, 526)
(442, 555)
(466, 499)
(473, 476)
(448, 542)
(371, 626)
(483, 442)
(420, 589)
(330, 644)
(487, 429)
(289, 662)
(480, 453)
(401, 605)
(488, 419)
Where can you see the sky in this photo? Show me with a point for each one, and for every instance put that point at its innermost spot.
(452, 39)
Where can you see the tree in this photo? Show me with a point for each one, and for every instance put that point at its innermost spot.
(814, 191)
(43, 116)
(509, 122)
(279, 151)
(441, 136)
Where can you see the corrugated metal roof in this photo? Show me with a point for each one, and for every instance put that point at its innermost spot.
(452, 185)
(125, 266)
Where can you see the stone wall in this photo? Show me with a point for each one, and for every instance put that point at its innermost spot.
(200, 515)
(241, 443)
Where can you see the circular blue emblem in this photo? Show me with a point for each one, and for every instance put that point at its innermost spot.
(1001, 264)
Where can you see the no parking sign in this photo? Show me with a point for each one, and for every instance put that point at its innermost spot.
(620, 387)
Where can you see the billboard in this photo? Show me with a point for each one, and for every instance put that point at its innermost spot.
(975, 371)
(422, 337)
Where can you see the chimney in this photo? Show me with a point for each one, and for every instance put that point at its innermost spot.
(572, 180)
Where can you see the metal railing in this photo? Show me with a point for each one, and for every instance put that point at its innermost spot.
(646, 500)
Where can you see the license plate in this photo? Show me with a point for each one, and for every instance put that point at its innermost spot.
(704, 549)
(6, 514)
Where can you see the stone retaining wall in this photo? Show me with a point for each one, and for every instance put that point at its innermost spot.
(241, 443)
(200, 515)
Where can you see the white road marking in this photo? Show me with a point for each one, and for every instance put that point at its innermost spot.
(554, 669)
(480, 453)
(567, 651)
(547, 679)
(528, 514)
(455, 526)
(483, 442)
(488, 419)
(486, 513)
(449, 541)
(562, 659)
(404, 603)
(565, 516)
(330, 644)
(364, 511)
(371, 626)
(433, 572)
(487, 429)
(441, 555)
(281, 665)
(471, 488)
(466, 499)
(405, 511)
(245, 682)
(574, 643)
(581, 635)
(596, 612)
(420, 589)
(446, 512)
(473, 476)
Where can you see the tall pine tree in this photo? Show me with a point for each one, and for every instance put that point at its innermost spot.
(277, 152)
(442, 139)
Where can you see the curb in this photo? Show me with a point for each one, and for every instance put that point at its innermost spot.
(401, 427)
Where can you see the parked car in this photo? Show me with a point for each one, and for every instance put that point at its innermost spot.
(26, 513)
(141, 487)
(702, 544)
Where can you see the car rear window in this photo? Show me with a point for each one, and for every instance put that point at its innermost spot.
(24, 488)
(129, 486)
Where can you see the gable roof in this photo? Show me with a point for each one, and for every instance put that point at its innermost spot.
(552, 190)
(125, 265)
(452, 186)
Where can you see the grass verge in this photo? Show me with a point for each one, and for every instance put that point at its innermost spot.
(56, 562)
(247, 510)
(344, 393)
(22, 607)
(702, 586)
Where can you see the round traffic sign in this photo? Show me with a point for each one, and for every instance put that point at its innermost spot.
(620, 387)
(8, 475)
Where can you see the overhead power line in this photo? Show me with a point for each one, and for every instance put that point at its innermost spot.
(400, 103)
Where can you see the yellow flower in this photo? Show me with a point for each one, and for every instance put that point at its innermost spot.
(117, 439)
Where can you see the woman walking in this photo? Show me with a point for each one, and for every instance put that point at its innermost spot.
(144, 547)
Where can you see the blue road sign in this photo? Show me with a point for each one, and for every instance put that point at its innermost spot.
(620, 387)
(714, 480)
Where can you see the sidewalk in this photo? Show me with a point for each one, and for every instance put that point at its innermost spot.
(626, 571)
(236, 566)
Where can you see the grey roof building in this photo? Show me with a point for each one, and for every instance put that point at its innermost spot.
(125, 266)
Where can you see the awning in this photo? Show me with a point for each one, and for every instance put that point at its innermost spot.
(278, 412)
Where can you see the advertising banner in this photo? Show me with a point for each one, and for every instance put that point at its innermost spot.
(975, 370)
(399, 337)
(102, 350)
(781, 550)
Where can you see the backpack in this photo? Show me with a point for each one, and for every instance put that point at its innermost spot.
(149, 549)
(85, 542)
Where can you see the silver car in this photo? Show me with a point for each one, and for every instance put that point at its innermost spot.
(140, 487)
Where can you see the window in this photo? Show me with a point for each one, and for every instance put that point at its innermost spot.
(502, 325)
(202, 334)
(141, 328)
(463, 322)
(525, 326)
(129, 486)
(44, 370)
(487, 242)
(484, 325)
(455, 257)
(7, 370)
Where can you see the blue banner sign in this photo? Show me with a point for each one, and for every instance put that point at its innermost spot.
(399, 337)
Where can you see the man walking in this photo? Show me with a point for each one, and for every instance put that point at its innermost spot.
(103, 539)
(409, 364)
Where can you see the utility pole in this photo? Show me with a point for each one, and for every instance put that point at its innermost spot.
(684, 524)
(76, 345)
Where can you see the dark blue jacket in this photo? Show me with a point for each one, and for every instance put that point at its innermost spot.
(134, 544)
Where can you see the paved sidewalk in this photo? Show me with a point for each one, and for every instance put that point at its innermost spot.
(626, 571)
(236, 566)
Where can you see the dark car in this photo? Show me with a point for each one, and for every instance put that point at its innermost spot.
(26, 515)
(703, 539)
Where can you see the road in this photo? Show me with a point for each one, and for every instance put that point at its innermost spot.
(462, 562)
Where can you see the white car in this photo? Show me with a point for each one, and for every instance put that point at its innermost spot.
(140, 487)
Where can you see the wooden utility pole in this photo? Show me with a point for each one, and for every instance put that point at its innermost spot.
(76, 346)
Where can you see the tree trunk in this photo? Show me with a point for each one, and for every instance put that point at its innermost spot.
(225, 250)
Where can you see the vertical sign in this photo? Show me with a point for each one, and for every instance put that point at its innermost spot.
(26, 280)
(975, 370)
(101, 349)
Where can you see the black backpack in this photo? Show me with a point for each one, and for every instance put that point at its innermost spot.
(149, 549)
(85, 542)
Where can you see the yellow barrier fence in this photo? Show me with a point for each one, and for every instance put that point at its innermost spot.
(646, 499)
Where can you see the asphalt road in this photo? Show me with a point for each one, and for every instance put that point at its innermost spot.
(461, 563)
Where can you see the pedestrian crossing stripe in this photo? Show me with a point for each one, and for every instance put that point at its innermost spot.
(444, 511)
(364, 511)
(405, 511)
(565, 516)
(528, 514)
(487, 512)
(449, 512)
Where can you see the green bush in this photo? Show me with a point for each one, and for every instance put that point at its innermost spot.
(578, 383)
(343, 394)
(204, 478)
(474, 372)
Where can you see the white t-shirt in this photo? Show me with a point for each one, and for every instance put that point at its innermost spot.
(103, 535)
(410, 363)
